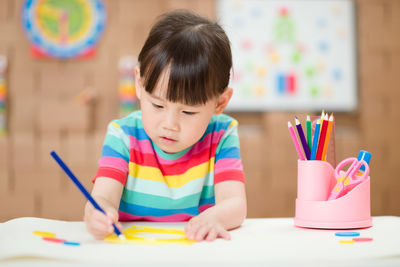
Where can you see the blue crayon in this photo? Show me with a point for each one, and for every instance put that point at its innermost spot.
(83, 189)
(315, 140)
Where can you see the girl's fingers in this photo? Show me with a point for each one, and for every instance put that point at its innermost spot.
(99, 234)
(187, 228)
(224, 234)
(201, 230)
(98, 215)
(212, 234)
(119, 226)
(98, 221)
(191, 230)
(201, 233)
(112, 216)
(99, 224)
(103, 230)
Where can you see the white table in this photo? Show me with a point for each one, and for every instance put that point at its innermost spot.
(258, 242)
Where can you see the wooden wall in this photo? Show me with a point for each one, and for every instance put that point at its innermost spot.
(44, 115)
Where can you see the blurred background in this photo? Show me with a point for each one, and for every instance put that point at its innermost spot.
(56, 101)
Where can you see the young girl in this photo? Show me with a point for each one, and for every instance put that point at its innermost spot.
(178, 158)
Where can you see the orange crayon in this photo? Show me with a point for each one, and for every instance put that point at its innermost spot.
(328, 135)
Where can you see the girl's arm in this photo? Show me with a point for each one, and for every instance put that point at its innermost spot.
(107, 193)
(230, 200)
(229, 212)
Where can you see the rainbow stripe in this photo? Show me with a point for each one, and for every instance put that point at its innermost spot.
(169, 187)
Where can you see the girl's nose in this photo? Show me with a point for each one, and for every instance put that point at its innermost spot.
(171, 122)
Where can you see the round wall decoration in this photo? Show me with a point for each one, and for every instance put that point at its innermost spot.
(63, 28)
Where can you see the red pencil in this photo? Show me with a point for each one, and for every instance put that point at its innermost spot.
(322, 138)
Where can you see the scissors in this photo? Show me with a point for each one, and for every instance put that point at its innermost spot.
(352, 177)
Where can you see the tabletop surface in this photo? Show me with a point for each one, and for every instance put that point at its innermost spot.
(257, 242)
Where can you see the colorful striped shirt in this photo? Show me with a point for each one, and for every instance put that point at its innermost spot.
(160, 186)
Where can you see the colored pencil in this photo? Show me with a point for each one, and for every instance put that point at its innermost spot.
(308, 125)
(328, 135)
(322, 116)
(295, 141)
(302, 138)
(322, 137)
(315, 140)
(83, 189)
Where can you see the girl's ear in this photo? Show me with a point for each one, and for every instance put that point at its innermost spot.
(138, 82)
(223, 100)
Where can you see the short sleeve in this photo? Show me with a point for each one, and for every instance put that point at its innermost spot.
(114, 160)
(228, 163)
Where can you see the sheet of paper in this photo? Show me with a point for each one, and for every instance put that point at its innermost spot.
(257, 241)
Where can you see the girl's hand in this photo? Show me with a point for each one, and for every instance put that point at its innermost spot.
(99, 224)
(205, 227)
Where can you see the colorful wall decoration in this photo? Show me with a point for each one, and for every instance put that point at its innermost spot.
(128, 100)
(63, 28)
(291, 55)
(3, 96)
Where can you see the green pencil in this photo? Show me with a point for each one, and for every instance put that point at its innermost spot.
(308, 125)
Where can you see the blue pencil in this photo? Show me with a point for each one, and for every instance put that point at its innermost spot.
(315, 140)
(83, 189)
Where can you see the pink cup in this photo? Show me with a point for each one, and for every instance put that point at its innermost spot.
(315, 179)
(315, 182)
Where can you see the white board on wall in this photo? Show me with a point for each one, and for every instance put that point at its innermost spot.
(291, 54)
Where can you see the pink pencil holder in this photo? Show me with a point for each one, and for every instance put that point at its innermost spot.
(315, 180)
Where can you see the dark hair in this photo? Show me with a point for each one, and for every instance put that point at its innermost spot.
(197, 53)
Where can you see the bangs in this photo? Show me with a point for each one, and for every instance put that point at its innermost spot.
(187, 72)
(195, 58)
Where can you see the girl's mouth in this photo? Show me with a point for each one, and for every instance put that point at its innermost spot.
(167, 140)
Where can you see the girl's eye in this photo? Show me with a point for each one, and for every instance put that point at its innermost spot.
(189, 113)
(157, 106)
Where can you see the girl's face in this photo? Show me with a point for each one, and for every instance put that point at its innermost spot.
(175, 126)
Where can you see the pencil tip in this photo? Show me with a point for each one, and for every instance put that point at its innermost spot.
(289, 124)
(308, 117)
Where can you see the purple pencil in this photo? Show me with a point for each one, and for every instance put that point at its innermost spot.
(302, 139)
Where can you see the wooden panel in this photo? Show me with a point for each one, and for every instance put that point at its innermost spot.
(45, 115)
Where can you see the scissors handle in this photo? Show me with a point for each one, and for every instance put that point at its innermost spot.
(343, 163)
(354, 168)
(351, 178)
(355, 173)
